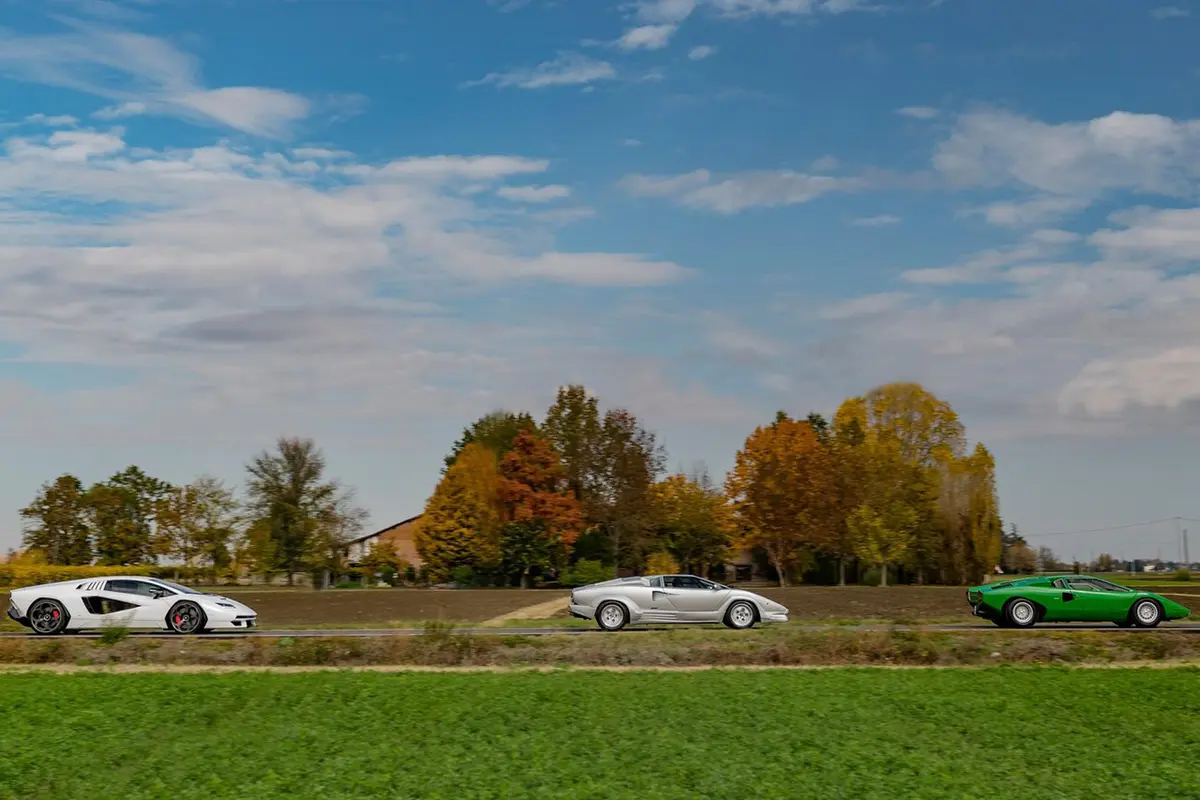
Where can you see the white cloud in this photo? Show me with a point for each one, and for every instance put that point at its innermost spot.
(876, 222)
(701, 52)
(568, 69)
(533, 194)
(143, 74)
(863, 306)
(320, 153)
(825, 164)
(734, 340)
(918, 112)
(1035, 211)
(133, 108)
(1121, 151)
(659, 12)
(738, 191)
(265, 112)
(647, 37)
(632, 142)
(1169, 12)
(1171, 235)
(59, 121)
(1106, 387)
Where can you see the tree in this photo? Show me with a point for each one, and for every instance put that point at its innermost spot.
(304, 514)
(381, 557)
(123, 513)
(1103, 563)
(542, 517)
(1016, 555)
(57, 523)
(782, 489)
(496, 431)
(694, 522)
(197, 522)
(1047, 561)
(461, 523)
(882, 538)
(630, 460)
(573, 427)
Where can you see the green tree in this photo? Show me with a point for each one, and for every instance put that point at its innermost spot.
(56, 523)
(574, 428)
(882, 538)
(303, 513)
(630, 461)
(496, 431)
(199, 522)
(123, 513)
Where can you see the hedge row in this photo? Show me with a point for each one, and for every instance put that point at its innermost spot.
(14, 576)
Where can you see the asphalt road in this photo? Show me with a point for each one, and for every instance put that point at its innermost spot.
(1172, 627)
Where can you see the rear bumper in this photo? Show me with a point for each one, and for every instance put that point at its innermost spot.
(16, 617)
(581, 612)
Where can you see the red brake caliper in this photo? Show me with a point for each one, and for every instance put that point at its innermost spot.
(178, 619)
(54, 613)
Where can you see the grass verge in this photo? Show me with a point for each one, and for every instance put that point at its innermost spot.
(441, 645)
(865, 734)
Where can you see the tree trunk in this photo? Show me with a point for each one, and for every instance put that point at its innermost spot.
(782, 573)
(526, 581)
(841, 571)
(883, 574)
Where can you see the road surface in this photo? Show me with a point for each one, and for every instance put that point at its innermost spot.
(311, 633)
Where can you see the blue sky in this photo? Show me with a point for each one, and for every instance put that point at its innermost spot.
(369, 222)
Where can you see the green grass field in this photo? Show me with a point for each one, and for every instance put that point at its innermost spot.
(970, 733)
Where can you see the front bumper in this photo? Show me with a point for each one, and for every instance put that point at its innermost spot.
(774, 616)
(581, 612)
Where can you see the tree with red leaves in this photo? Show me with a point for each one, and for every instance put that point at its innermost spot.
(542, 517)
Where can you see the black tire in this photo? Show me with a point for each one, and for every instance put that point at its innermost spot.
(48, 617)
(606, 616)
(1001, 622)
(1020, 613)
(186, 617)
(1146, 613)
(740, 616)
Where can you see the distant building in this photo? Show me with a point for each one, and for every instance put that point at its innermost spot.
(400, 535)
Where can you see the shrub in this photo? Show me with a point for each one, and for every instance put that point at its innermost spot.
(347, 585)
(113, 634)
(585, 572)
(387, 574)
(462, 575)
(1183, 575)
(410, 574)
(14, 576)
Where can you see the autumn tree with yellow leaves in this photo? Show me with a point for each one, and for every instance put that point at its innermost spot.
(461, 523)
(694, 522)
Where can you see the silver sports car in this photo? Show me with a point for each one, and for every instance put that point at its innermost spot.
(673, 599)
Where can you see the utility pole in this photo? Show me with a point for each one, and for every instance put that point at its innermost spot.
(1186, 558)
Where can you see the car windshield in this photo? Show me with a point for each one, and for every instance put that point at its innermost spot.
(177, 587)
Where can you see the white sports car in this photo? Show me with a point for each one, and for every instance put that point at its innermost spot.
(673, 599)
(127, 602)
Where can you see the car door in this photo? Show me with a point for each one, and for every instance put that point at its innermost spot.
(695, 599)
(156, 602)
(1091, 603)
(658, 607)
(113, 603)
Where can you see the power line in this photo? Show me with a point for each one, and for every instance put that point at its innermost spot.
(1109, 528)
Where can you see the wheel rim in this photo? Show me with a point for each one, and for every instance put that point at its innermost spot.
(1022, 613)
(611, 616)
(185, 618)
(1147, 612)
(44, 617)
(741, 615)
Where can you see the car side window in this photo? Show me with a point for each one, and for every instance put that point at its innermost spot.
(125, 587)
(684, 582)
(1060, 584)
(1084, 586)
(656, 581)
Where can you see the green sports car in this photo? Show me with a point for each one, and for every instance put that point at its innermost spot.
(1024, 602)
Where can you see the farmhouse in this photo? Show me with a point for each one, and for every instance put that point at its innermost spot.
(399, 534)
